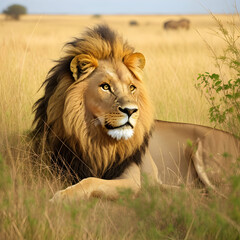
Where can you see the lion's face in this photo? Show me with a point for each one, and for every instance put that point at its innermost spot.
(112, 90)
(112, 98)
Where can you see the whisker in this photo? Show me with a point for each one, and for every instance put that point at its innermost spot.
(97, 120)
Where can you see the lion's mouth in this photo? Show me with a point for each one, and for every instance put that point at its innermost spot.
(127, 124)
(123, 132)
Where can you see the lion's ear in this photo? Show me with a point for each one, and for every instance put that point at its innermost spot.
(135, 63)
(82, 66)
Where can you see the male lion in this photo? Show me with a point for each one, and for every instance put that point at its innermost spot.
(96, 120)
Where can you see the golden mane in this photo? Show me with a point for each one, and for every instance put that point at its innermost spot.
(63, 123)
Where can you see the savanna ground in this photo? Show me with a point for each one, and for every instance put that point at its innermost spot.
(174, 60)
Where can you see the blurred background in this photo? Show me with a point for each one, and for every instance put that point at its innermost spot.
(125, 6)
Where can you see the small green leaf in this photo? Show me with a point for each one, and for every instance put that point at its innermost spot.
(218, 83)
(226, 154)
(189, 143)
(236, 95)
(229, 96)
(226, 86)
(218, 89)
(214, 76)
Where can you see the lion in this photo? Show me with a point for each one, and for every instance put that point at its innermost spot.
(97, 122)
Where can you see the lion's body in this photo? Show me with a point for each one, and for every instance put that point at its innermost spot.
(96, 121)
(173, 147)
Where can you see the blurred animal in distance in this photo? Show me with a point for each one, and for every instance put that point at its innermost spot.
(181, 24)
(133, 23)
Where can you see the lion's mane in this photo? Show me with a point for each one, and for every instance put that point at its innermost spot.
(62, 125)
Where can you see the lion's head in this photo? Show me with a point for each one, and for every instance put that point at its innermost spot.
(95, 113)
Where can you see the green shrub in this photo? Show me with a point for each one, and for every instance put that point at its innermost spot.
(222, 89)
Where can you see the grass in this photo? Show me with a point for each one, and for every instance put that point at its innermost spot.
(174, 60)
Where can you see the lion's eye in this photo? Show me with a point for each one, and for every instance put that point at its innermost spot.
(132, 88)
(83, 64)
(105, 86)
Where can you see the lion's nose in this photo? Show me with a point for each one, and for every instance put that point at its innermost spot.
(128, 111)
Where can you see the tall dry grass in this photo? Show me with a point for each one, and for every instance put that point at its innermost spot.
(174, 60)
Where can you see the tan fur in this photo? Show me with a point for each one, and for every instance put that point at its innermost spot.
(193, 155)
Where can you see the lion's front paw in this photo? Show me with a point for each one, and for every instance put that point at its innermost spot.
(81, 190)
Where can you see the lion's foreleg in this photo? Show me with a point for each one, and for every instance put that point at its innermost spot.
(96, 187)
(149, 168)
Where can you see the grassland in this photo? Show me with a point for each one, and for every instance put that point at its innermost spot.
(174, 59)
